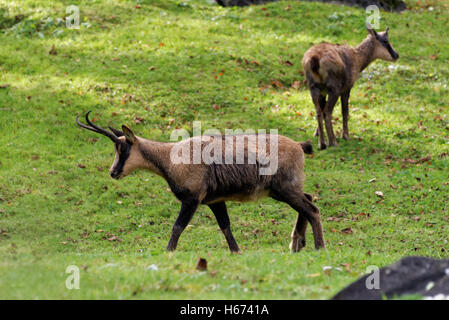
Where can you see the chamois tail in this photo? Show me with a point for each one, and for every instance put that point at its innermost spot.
(307, 147)
(315, 64)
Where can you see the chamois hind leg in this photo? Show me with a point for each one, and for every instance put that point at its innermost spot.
(330, 104)
(345, 112)
(308, 212)
(188, 208)
(317, 99)
(322, 103)
(298, 236)
(221, 214)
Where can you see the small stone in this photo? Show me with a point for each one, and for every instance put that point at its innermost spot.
(201, 264)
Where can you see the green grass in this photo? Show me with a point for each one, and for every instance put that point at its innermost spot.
(172, 62)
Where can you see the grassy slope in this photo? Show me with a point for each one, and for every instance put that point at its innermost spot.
(169, 63)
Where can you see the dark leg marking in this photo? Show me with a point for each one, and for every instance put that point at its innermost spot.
(308, 212)
(188, 208)
(345, 112)
(298, 236)
(330, 104)
(319, 102)
(221, 214)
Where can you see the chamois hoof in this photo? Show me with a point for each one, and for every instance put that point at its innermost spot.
(322, 146)
(235, 250)
(170, 248)
(297, 244)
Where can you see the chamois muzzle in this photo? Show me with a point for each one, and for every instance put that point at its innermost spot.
(395, 55)
(97, 129)
(115, 175)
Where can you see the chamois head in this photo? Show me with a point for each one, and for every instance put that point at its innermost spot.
(382, 46)
(128, 157)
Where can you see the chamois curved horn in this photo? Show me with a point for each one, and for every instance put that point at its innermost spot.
(95, 128)
(118, 133)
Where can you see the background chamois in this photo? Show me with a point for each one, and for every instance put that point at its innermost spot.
(332, 70)
(213, 184)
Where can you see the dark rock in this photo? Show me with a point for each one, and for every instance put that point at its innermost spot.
(421, 276)
(241, 3)
(389, 5)
(201, 264)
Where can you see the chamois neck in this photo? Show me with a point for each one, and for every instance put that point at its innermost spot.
(365, 53)
(155, 155)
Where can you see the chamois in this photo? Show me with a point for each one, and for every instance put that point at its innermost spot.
(218, 181)
(332, 70)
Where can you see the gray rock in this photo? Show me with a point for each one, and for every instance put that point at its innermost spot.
(389, 5)
(241, 3)
(421, 276)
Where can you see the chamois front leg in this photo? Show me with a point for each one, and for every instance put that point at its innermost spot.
(221, 214)
(345, 112)
(330, 104)
(188, 208)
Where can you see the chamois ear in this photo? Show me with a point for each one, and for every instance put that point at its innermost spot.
(371, 31)
(386, 31)
(129, 135)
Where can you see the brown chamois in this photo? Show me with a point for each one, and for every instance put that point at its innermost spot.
(214, 183)
(332, 70)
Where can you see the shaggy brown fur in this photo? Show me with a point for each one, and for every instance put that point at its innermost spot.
(214, 183)
(332, 70)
